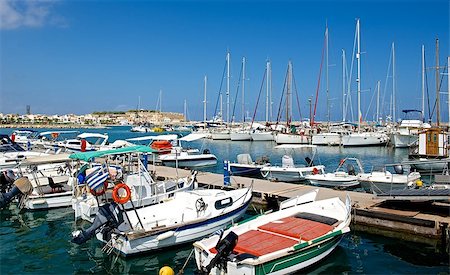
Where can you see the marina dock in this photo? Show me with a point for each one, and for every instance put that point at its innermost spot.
(426, 222)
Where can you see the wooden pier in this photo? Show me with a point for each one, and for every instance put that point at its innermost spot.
(425, 222)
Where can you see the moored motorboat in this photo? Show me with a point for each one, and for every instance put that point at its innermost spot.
(301, 233)
(184, 218)
(245, 166)
(289, 171)
(337, 179)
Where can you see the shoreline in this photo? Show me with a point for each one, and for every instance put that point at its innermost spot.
(64, 126)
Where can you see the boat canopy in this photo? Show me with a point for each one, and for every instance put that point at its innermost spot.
(192, 137)
(46, 159)
(92, 135)
(87, 156)
(58, 132)
(160, 137)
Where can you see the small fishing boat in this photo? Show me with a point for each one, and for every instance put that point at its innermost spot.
(337, 179)
(245, 166)
(85, 142)
(47, 179)
(180, 157)
(300, 234)
(96, 181)
(183, 218)
(384, 181)
(289, 171)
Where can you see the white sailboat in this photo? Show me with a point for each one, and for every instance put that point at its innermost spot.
(362, 138)
(290, 137)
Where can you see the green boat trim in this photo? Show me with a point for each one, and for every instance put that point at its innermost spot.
(296, 257)
(317, 240)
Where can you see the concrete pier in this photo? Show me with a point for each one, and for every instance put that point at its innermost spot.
(425, 222)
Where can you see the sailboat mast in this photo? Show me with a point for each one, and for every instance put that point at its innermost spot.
(243, 90)
(393, 84)
(205, 80)
(288, 94)
(267, 90)
(328, 93)
(378, 102)
(160, 100)
(343, 85)
(448, 87)
(438, 111)
(228, 87)
(423, 83)
(358, 79)
(185, 110)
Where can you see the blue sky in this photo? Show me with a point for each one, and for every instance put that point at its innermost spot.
(84, 56)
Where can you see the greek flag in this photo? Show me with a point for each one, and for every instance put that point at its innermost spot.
(96, 179)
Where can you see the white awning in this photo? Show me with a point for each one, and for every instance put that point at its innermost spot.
(192, 137)
(160, 137)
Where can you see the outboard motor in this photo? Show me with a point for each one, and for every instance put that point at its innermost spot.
(6, 180)
(351, 170)
(398, 169)
(206, 151)
(21, 186)
(105, 217)
(224, 248)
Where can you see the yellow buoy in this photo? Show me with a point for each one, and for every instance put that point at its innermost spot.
(419, 183)
(166, 270)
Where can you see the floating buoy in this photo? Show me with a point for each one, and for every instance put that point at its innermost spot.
(121, 199)
(166, 270)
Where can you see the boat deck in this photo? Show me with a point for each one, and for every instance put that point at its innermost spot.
(281, 234)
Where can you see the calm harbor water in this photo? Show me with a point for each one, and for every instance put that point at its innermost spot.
(39, 242)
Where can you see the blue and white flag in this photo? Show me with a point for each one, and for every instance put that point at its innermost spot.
(96, 179)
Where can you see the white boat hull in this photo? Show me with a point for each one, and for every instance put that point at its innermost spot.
(49, 201)
(403, 141)
(262, 136)
(281, 138)
(242, 136)
(288, 174)
(332, 139)
(333, 180)
(365, 139)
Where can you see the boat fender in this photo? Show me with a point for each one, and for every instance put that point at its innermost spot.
(117, 197)
(419, 183)
(100, 191)
(165, 235)
(315, 171)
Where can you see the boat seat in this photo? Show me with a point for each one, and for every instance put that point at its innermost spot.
(55, 186)
(298, 228)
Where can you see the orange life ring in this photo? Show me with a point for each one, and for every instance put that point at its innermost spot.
(102, 191)
(315, 171)
(115, 194)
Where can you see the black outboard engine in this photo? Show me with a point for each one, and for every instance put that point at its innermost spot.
(105, 217)
(351, 170)
(206, 151)
(398, 169)
(22, 186)
(224, 249)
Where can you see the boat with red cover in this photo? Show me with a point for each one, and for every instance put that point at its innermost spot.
(301, 233)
